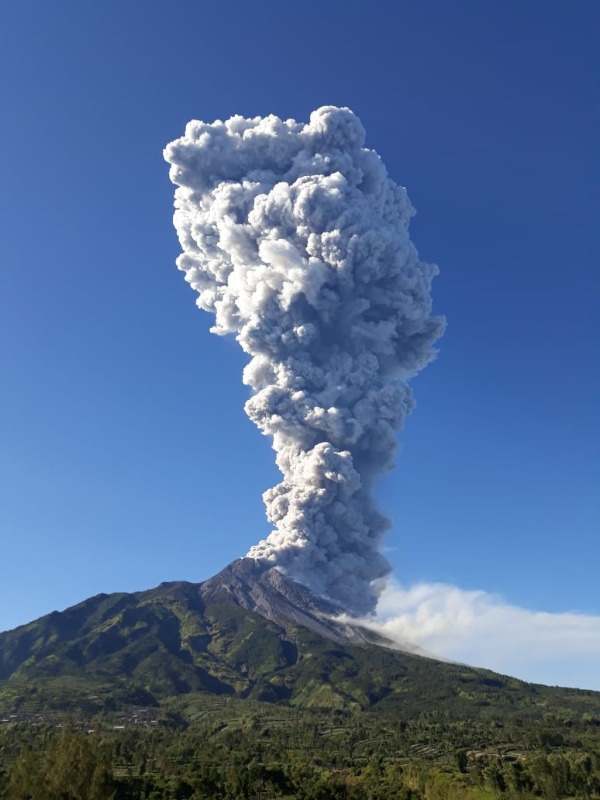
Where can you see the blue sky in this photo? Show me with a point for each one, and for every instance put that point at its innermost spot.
(125, 456)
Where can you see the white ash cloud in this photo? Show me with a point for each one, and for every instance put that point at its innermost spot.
(297, 240)
(482, 629)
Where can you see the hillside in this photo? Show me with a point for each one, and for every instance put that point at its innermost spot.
(181, 639)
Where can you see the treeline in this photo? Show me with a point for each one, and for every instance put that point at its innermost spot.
(312, 756)
(64, 766)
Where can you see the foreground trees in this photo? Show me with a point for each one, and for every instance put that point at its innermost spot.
(317, 755)
(72, 766)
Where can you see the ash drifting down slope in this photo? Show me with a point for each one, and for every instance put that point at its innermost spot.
(297, 240)
(255, 586)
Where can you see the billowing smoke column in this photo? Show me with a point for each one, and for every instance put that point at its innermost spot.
(296, 239)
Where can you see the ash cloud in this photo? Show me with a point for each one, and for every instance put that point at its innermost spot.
(296, 239)
(479, 628)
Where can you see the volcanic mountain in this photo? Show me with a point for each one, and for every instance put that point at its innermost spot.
(270, 593)
(248, 632)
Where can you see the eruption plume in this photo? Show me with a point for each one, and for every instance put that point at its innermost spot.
(297, 240)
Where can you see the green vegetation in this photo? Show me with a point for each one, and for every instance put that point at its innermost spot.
(230, 749)
(157, 695)
(141, 649)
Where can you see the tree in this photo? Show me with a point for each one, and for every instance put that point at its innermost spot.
(24, 782)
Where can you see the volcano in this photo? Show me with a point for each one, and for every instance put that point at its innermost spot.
(250, 632)
(267, 591)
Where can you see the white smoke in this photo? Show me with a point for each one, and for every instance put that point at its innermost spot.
(297, 240)
(475, 627)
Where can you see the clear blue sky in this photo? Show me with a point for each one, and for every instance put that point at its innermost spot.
(125, 455)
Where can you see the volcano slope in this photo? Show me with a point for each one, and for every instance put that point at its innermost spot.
(251, 634)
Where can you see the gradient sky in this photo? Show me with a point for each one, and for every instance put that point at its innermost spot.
(126, 458)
